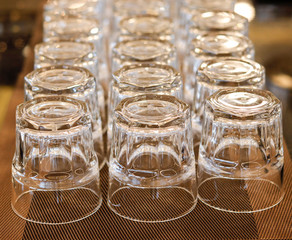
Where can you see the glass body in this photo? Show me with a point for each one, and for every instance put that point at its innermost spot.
(240, 166)
(143, 51)
(74, 82)
(213, 45)
(78, 54)
(152, 162)
(218, 74)
(54, 159)
(139, 79)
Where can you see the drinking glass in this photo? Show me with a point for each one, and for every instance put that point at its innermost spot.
(214, 45)
(78, 54)
(139, 79)
(143, 51)
(152, 175)
(190, 8)
(216, 74)
(216, 21)
(240, 166)
(74, 82)
(55, 174)
(77, 29)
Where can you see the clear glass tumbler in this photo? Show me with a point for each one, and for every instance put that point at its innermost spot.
(152, 172)
(191, 8)
(55, 174)
(143, 51)
(78, 54)
(216, 21)
(216, 74)
(213, 45)
(77, 29)
(139, 79)
(241, 163)
(74, 82)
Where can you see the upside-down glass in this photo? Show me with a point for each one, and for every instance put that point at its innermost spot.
(78, 54)
(77, 29)
(143, 51)
(152, 175)
(240, 166)
(216, 21)
(213, 45)
(139, 79)
(74, 82)
(190, 8)
(216, 74)
(55, 174)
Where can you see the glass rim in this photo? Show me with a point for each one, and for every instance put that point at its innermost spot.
(252, 73)
(201, 46)
(166, 30)
(33, 115)
(125, 5)
(243, 104)
(173, 78)
(199, 20)
(41, 47)
(172, 109)
(168, 49)
(36, 78)
(199, 4)
(90, 26)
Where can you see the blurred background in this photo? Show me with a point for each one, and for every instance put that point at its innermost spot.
(270, 30)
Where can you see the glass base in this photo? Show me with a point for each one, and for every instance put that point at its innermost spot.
(150, 204)
(56, 206)
(239, 195)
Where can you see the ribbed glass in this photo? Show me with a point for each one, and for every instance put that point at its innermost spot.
(217, 74)
(152, 161)
(55, 167)
(214, 45)
(74, 82)
(140, 79)
(78, 54)
(241, 153)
